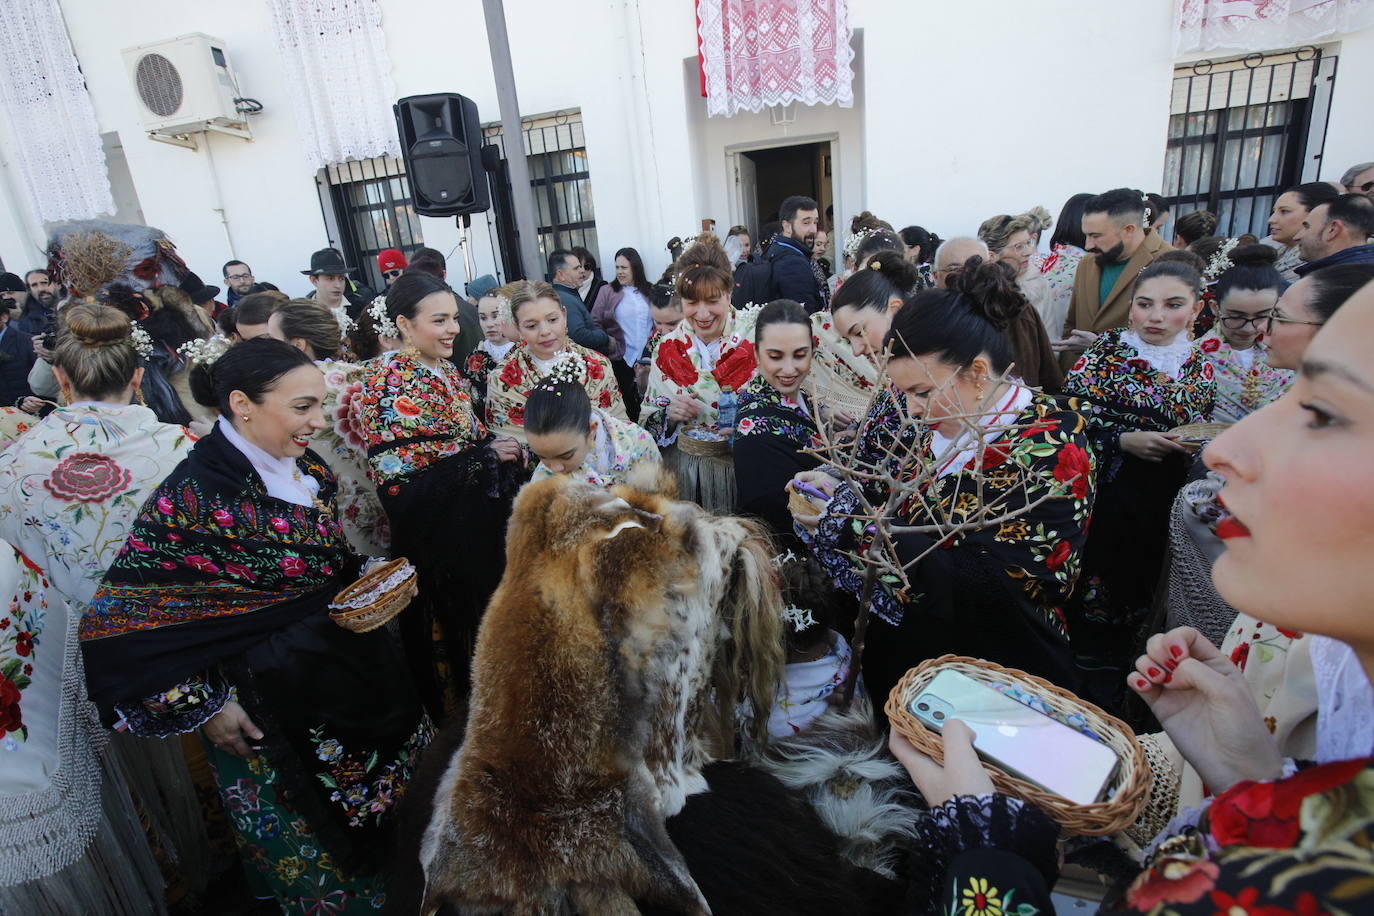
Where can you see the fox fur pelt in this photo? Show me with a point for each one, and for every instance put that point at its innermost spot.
(609, 664)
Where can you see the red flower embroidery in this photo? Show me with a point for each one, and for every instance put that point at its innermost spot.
(1058, 556)
(1210, 345)
(87, 478)
(222, 518)
(10, 718)
(1240, 654)
(1039, 427)
(239, 571)
(1172, 881)
(200, 563)
(1076, 465)
(292, 566)
(1079, 364)
(674, 363)
(736, 367)
(511, 373)
(475, 360)
(280, 525)
(1265, 814)
(605, 400)
(516, 415)
(164, 505)
(1135, 362)
(1291, 634)
(1208, 371)
(406, 407)
(595, 370)
(23, 642)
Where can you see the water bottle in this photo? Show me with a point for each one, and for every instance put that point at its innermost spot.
(726, 406)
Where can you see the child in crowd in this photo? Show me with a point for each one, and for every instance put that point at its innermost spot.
(569, 436)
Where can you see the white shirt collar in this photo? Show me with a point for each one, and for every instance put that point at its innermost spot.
(1168, 359)
(281, 476)
(953, 453)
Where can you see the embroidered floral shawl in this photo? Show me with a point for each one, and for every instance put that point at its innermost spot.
(509, 386)
(841, 378)
(344, 448)
(212, 564)
(676, 369)
(620, 445)
(1242, 389)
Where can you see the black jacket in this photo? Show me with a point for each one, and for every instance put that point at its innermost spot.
(792, 277)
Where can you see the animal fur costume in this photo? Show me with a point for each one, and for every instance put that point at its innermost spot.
(608, 667)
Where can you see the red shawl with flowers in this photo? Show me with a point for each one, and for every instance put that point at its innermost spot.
(509, 386)
(677, 369)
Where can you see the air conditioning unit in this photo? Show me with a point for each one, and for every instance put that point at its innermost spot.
(185, 85)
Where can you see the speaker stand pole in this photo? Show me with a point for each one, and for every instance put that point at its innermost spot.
(513, 140)
(464, 221)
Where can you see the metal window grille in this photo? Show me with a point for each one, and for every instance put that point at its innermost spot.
(372, 201)
(556, 150)
(1243, 130)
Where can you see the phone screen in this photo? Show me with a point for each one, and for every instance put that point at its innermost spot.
(1017, 739)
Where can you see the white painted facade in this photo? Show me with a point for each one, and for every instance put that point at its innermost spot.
(962, 110)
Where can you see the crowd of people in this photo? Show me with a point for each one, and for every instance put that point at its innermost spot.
(1016, 421)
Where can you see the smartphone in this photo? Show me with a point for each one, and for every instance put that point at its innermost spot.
(1017, 739)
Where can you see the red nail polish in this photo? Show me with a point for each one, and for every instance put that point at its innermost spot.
(1176, 651)
(1168, 678)
(1142, 684)
(1170, 664)
(1152, 672)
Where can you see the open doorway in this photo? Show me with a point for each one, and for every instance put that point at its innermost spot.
(764, 178)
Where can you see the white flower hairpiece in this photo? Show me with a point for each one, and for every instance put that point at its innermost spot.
(1221, 261)
(504, 304)
(205, 351)
(143, 344)
(346, 324)
(566, 368)
(782, 560)
(799, 618)
(852, 244)
(381, 320)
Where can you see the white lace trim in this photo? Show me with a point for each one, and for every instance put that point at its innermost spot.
(334, 54)
(1262, 25)
(755, 55)
(43, 93)
(374, 594)
(1168, 359)
(1345, 701)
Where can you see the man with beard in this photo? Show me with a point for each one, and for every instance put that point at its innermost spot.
(789, 256)
(1337, 232)
(40, 311)
(238, 276)
(1122, 245)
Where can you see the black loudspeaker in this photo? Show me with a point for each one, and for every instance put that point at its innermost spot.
(441, 140)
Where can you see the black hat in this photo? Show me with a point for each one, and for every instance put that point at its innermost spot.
(327, 261)
(194, 287)
(10, 283)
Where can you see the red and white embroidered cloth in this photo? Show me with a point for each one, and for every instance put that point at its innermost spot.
(1266, 25)
(757, 53)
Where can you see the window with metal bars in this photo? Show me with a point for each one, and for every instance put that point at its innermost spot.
(1243, 130)
(556, 150)
(371, 199)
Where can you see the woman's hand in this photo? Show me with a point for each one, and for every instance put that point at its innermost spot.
(962, 773)
(33, 405)
(813, 480)
(1206, 707)
(1151, 446)
(683, 408)
(1077, 341)
(506, 448)
(231, 730)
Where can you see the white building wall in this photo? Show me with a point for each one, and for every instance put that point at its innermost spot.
(965, 110)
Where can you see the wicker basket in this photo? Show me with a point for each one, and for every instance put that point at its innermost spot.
(1199, 432)
(375, 598)
(703, 443)
(1128, 791)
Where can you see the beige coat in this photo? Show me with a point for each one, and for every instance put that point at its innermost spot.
(1085, 312)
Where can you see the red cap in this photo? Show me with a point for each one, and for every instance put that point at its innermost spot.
(391, 259)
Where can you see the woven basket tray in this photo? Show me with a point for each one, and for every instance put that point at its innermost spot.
(1127, 792)
(703, 448)
(1200, 432)
(349, 611)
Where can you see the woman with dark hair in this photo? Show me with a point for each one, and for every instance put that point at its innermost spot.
(1142, 381)
(995, 591)
(215, 615)
(1194, 225)
(315, 331)
(709, 353)
(570, 436)
(920, 245)
(622, 311)
(1067, 246)
(592, 281)
(445, 482)
(1306, 306)
(1246, 294)
(1285, 222)
(776, 419)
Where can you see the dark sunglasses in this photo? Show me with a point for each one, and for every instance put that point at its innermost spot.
(1365, 188)
(391, 273)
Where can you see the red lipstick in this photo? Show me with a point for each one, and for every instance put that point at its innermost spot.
(1231, 527)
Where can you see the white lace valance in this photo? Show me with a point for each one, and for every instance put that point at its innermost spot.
(54, 136)
(1266, 25)
(334, 54)
(757, 53)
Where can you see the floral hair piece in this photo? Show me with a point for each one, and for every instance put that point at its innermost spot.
(505, 310)
(346, 324)
(381, 320)
(783, 559)
(1220, 261)
(852, 244)
(798, 618)
(142, 343)
(1145, 202)
(205, 351)
(564, 369)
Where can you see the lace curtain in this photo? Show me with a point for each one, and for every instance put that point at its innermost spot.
(1266, 25)
(54, 136)
(757, 53)
(334, 53)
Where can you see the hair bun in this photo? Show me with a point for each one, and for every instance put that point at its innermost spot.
(1255, 254)
(990, 289)
(93, 325)
(896, 268)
